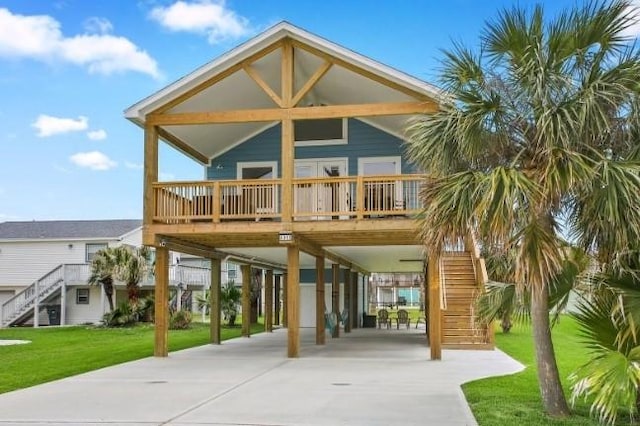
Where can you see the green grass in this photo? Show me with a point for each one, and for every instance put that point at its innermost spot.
(515, 399)
(66, 351)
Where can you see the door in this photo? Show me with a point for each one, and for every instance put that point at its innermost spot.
(325, 197)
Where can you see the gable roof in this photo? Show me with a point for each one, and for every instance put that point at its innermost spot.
(68, 229)
(238, 91)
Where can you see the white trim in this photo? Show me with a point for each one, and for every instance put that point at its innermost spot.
(367, 160)
(322, 142)
(55, 240)
(246, 164)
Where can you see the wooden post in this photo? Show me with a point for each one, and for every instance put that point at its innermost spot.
(293, 301)
(347, 300)
(268, 301)
(246, 300)
(320, 325)
(150, 173)
(276, 312)
(161, 347)
(285, 298)
(287, 132)
(435, 325)
(335, 297)
(360, 197)
(355, 293)
(215, 296)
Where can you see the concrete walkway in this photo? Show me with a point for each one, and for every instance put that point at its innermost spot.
(367, 377)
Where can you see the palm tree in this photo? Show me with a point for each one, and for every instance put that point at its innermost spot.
(535, 137)
(230, 297)
(102, 271)
(131, 266)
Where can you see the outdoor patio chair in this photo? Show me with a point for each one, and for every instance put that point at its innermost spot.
(383, 318)
(403, 318)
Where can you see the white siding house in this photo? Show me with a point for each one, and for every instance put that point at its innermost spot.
(30, 251)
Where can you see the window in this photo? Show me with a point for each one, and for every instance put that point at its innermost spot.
(92, 249)
(371, 166)
(231, 274)
(258, 170)
(82, 296)
(326, 131)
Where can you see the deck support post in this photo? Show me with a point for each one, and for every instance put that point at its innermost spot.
(150, 172)
(276, 308)
(285, 298)
(63, 302)
(434, 320)
(320, 305)
(246, 300)
(268, 301)
(355, 318)
(161, 347)
(347, 300)
(335, 297)
(293, 301)
(214, 300)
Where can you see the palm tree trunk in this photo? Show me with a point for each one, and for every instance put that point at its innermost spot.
(553, 399)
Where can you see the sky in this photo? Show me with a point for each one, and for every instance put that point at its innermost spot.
(68, 69)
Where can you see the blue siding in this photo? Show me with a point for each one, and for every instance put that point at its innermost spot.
(364, 141)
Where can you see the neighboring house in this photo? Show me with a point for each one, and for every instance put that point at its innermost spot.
(34, 250)
(50, 258)
(301, 141)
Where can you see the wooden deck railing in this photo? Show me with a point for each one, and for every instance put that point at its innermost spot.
(351, 197)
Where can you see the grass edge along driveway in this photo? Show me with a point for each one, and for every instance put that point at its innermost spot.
(58, 352)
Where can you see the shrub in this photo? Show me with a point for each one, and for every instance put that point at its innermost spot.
(180, 320)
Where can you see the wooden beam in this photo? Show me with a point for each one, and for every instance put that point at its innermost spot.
(335, 297)
(180, 145)
(288, 167)
(285, 299)
(299, 113)
(246, 300)
(263, 84)
(268, 301)
(182, 246)
(363, 72)
(215, 296)
(150, 173)
(161, 345)
(320, 305)
(313, 249)
(320, 72)
(434, 320)
(286, 74)
(216, 78)
(293, 301)
(347, 300)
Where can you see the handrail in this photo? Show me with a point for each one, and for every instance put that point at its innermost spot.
(318, 198)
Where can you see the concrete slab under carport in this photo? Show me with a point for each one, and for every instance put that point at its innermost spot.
(367, 377)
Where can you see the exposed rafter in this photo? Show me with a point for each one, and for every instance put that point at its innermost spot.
(320, 72)
(180, 145)
(263, 84)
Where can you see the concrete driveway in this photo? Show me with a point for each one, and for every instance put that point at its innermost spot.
(367, 377)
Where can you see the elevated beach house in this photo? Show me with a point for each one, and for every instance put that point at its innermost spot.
(301, 141)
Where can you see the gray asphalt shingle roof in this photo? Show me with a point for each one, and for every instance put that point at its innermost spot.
(72, 229)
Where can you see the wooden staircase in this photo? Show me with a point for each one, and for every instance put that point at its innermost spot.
(459, 284)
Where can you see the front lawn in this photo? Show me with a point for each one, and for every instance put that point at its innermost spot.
(65, 351)
(515, 399)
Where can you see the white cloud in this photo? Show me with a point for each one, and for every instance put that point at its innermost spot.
(97, 135)
(208, 17)
(49, 126)
(97, 25)
(634, 29)
(39, 37)
(133, 166)
(94, 160)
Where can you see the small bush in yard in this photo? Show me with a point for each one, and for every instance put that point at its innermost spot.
(180, 320)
